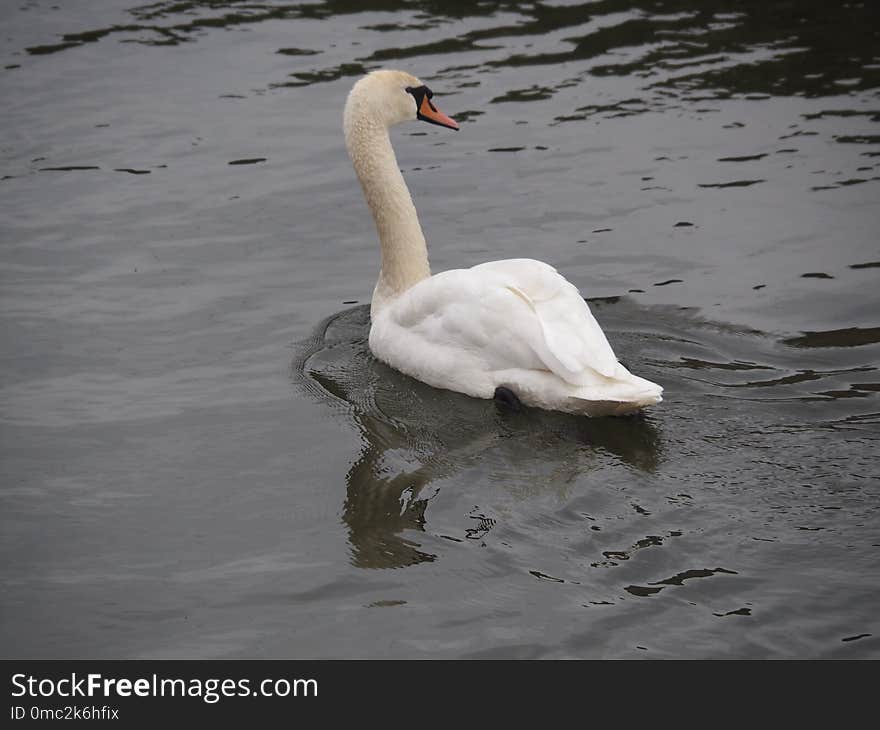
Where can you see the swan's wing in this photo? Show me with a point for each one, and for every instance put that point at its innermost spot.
(573, 339)
(501, 315)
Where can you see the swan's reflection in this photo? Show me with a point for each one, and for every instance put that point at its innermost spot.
(414, 435)
(382, 505)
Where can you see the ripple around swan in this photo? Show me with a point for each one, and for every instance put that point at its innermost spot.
(414, 435)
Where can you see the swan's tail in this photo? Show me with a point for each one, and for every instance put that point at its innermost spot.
(624, 393)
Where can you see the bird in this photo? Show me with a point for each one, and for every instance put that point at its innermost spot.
(513, 330)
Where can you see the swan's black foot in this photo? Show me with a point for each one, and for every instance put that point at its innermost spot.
(506, 398)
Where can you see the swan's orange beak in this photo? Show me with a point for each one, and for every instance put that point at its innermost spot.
(430, 113)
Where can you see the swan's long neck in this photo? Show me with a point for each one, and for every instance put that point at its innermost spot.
(404, 251)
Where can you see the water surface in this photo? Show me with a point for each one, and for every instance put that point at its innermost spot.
(199, 456)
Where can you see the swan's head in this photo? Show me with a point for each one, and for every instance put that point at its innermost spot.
(392, 97)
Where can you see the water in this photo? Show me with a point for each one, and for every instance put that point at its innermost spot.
(201, 459)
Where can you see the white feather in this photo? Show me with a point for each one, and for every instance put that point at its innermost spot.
(514, 323)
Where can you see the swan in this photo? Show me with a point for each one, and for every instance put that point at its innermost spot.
(514, 330)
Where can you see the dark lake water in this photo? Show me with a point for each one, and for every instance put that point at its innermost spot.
(199, 456)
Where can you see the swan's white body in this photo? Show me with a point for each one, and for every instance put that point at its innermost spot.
(515, 323)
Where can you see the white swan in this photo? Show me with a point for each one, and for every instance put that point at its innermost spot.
(512, 329)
